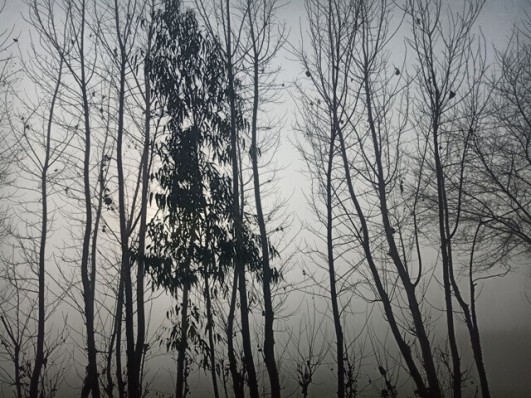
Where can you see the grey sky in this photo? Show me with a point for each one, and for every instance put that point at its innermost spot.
(503, 305)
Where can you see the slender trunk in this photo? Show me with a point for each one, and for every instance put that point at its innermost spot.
(469, 312)
(269, 336)
(132, 368)
(472, 323)
(246, 334)
(480, 363)
(40, 360)
(238, 223)
(90, 383)
(237, 379)
(335, 59)
(91, 377)
(92, 374)
(182, 346)
(446, 243)
(118, 335)
(18, 378)
(109, 388)
(331, 267)
(141, 318)
(39, 348)
(210, 329)
(477, 350)
(225, 383)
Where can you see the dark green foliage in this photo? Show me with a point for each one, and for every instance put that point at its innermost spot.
(192, 236)
(195, 229)
(194, 196)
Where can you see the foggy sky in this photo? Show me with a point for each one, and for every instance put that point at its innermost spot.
(504, 310)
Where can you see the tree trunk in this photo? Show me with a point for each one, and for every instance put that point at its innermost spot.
(141, 321)
(210, 329)
(132, 368)
(40, 360)
(91, 381)
(331, 268)
(269, 336)
(183, 345)
(472, 323)
(118, 333)
(238, 222)
(446, 244)
(237, 379)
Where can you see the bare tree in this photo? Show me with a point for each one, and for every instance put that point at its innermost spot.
(128, 20)
(347, 45)
(500, 190)
(223, 11)
(40, 144)
(116, 112)
(69, 42)
(47, 162)
(264, 46)
(237, 219)
(309, 350)
(362, 102)
(449, 111)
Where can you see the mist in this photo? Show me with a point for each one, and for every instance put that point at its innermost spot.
(232, 198)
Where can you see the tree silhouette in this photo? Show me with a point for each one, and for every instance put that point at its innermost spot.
(193, 235)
